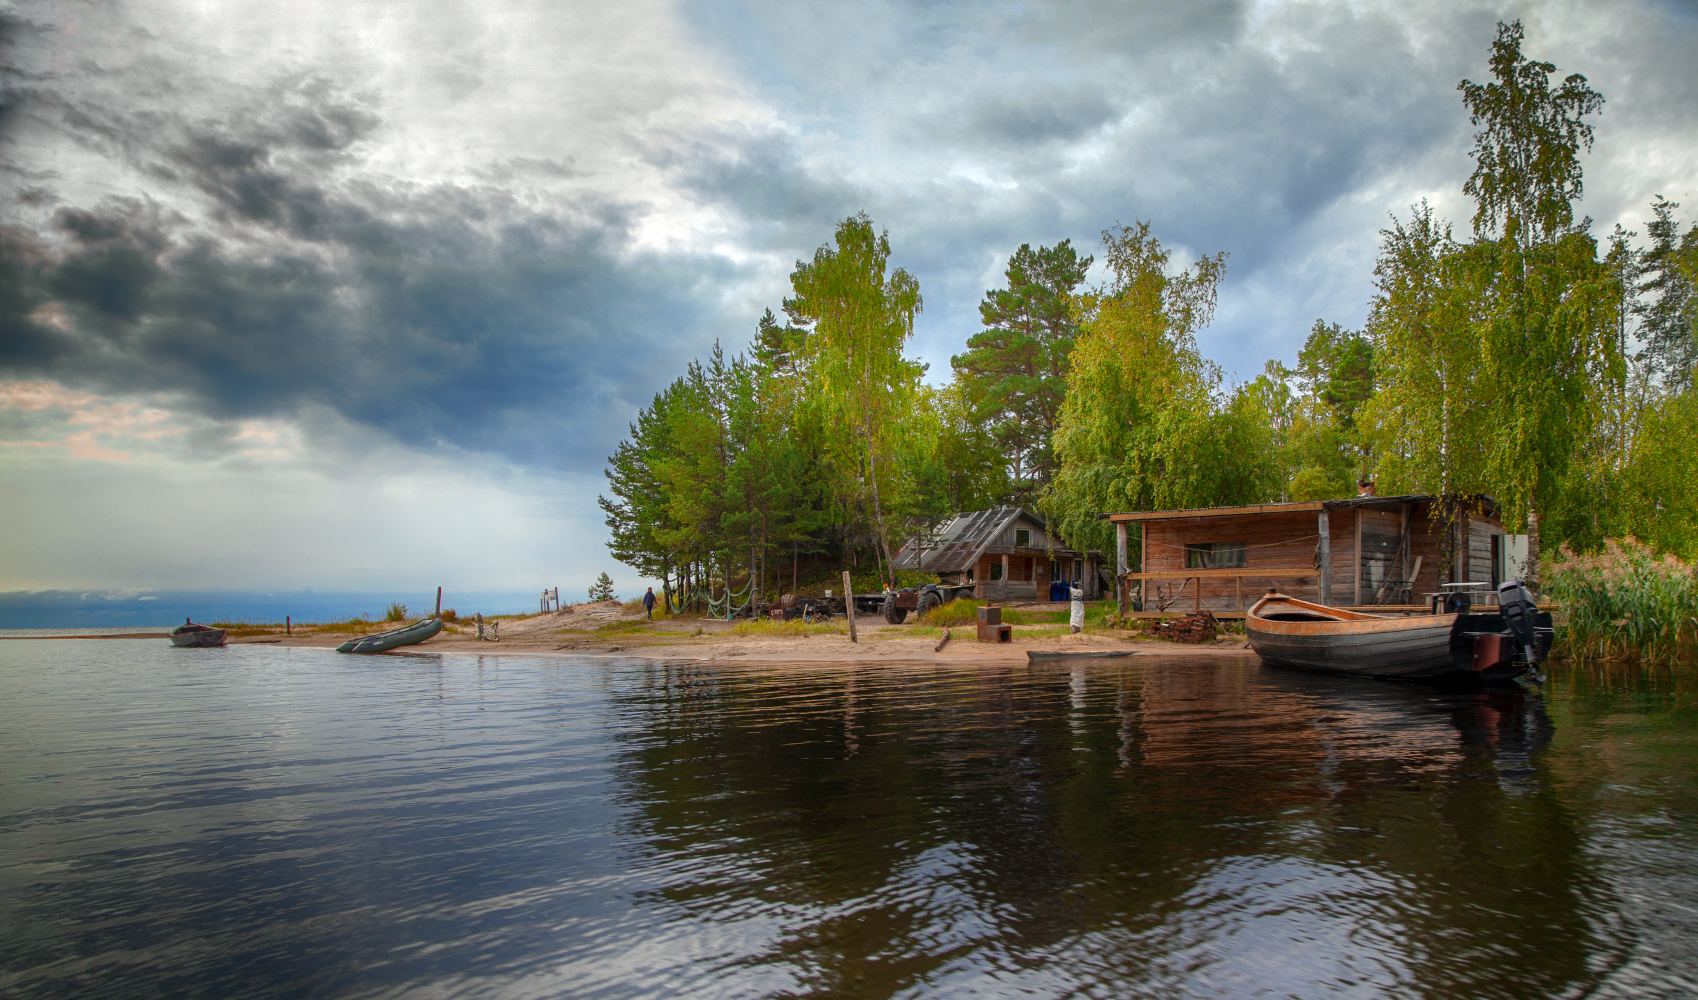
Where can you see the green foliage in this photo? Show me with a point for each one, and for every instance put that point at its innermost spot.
(857, 322)
(1665, 302)
(395, 613)
(602, 589)
(1015, 370)
(1527, 172)
(1145, 425)
(1625, 603)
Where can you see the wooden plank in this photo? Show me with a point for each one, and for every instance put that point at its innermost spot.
(1357, 560)
(1167, 515)
(1325, 531)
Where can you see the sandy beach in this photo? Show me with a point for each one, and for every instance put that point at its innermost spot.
(606, 629)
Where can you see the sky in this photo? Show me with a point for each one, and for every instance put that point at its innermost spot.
(357, 297)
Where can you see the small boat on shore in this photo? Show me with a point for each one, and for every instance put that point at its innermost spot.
(1037, 655)
(1510, 641)
(406, 635)
(191, 635)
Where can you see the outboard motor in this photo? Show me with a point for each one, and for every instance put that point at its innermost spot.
(1457, 602)
(1517, 607)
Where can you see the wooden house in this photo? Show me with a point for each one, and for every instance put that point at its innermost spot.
(1006, 553)
(1366, 551)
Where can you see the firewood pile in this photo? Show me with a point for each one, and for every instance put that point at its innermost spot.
(1196, 627)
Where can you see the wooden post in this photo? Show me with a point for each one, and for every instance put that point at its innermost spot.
(439, 602)
(286, 626)
(1324, 595)
(1358, 558)
(1238, 592)
(1122, 592)
(480, 626)
(849, 604)
(1143, 559)
(1197, 596)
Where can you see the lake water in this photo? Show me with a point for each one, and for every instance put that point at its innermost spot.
(263, 822)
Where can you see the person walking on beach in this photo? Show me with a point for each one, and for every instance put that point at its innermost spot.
(648, 603)
(1077, 616)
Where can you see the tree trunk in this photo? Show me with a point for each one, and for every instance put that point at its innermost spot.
(795, 561)
(1532, 574)
(878, 511)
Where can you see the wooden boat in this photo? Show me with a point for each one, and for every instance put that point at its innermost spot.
(406, 635)
(189, 634)
(1500, 645)
(1035, 655)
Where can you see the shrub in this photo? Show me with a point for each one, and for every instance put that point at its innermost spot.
(602, 589)
(961, 611)
(396, 613)
(450, 616)
(1624, 602)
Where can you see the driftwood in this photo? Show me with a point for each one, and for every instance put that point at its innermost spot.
(939, 647)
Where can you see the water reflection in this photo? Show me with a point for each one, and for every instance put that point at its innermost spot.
(1146, 823)
(271, 823)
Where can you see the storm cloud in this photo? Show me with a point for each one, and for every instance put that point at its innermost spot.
(487, 233)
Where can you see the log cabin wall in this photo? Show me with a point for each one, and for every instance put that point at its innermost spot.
(1279, 550)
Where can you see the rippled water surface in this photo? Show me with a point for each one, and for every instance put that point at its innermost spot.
(264, 822)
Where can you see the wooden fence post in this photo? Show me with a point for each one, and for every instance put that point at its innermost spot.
(439, 602)
(849, 606)
(1324, 584)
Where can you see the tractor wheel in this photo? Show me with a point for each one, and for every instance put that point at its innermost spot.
(928, 601)
(893, 614)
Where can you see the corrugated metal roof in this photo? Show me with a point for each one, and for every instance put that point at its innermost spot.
(963, 540)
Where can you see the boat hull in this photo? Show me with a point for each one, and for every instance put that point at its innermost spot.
(1415, 647)
(1293, 633)
(394, 638)
(199, 638)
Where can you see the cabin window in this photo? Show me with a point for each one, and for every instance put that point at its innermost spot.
(1214, 555)
(969, 575)
(1022, 538)
(996, 571)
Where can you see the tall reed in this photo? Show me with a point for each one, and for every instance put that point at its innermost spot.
(1624, 602)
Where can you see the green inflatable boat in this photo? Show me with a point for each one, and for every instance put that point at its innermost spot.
(405, 636)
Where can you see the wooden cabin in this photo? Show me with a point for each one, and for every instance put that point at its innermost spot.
(1367, 551)
(1006, 553)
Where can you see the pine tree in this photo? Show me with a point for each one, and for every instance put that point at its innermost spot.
(602, 589)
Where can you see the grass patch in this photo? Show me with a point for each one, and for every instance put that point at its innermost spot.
(961, 611)
(351, 625)
(639, 625)
(924, 631)
(1625, 603)
(792, 629)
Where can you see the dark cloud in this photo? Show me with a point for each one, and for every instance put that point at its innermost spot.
(445, 314)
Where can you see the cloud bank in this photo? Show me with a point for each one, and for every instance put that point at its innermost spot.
(243, 241)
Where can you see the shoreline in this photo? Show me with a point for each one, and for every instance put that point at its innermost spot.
(606, 631)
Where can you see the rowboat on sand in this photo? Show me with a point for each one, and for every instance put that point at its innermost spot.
(1509, 641)
(191, 635)
(406, 635)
